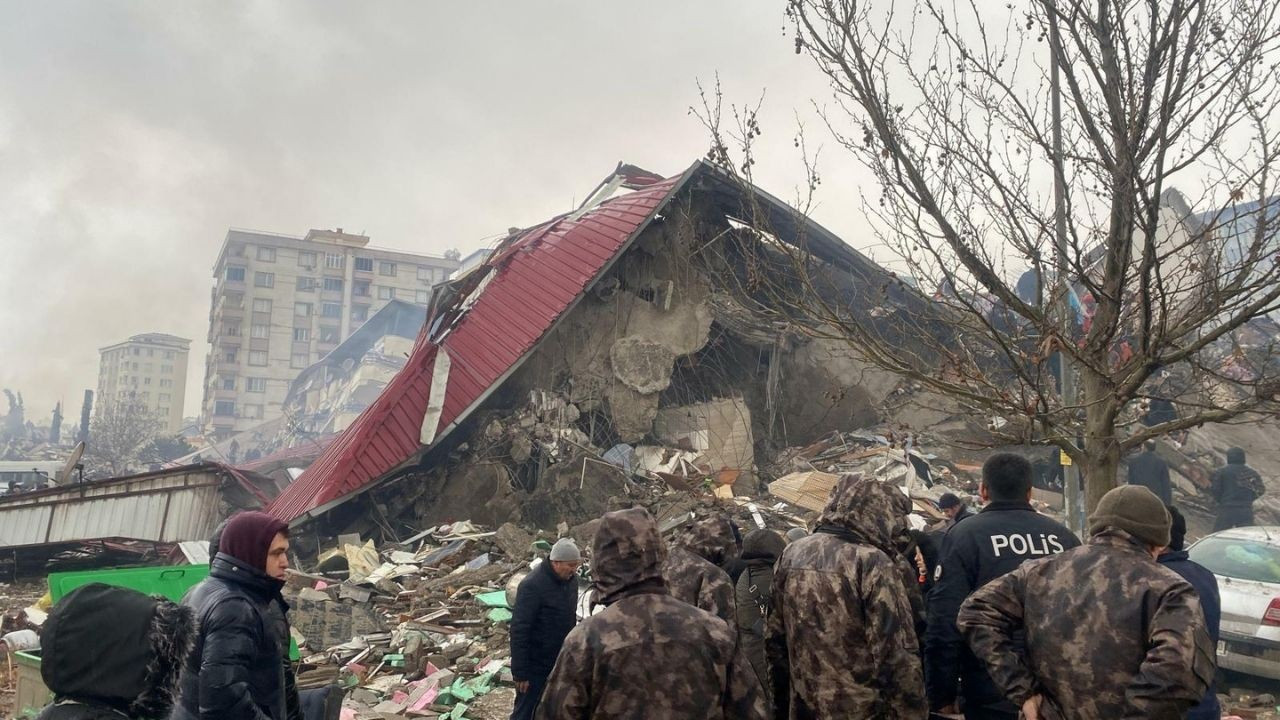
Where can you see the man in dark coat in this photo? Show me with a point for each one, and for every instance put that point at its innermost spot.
(693, 571)
(1109, 634)
(278, 612)
(1235, 487)
(111, 653)
(954, 508)
(840, 638)
(1176, 559)
(753, 598)
(994, 542)
(1151, 472)
(647, 655)
(234, 670)
(546, 610)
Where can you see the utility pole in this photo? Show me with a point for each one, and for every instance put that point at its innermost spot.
(1067, 382)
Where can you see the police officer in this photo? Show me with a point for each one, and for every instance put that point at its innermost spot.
(993, 542)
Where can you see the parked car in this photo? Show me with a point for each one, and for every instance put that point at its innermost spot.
(1246, 562)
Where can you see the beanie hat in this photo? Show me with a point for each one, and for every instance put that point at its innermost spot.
(1177, 529)
(247, 537)
(1135, 510)
(565, 551)
(796, 533)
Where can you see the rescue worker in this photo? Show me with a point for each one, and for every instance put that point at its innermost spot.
(753, 598)
(1235, 487)
(546, 610)
(839, 639)
(234, 669)
(112, 653)
(1151, 471)
(1006, 533)
(1176, 559)
(954, 508)
(692, 569)
(646, 655)
(1109, 633)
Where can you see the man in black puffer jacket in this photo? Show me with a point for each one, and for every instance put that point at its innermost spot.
(546, 610)
(112, 653)
(234, 671)
(1235, 488)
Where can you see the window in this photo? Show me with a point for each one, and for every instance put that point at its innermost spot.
(422, 297)
(306, 259)
(146, 381)
(224, 407)
(1251, 560)
(266, 254)
(253, 412)
(301, 334)
(255, 384)
(235, 274)
(135, 366)
(331, 310)
(151, 353)
(168, 354)
(306, 284)
(360, 288)
(258, 357)
(359, 313)
(229, 356)
(261, 305)
(386, 293)
(166, 369)
(163, 410)
(298, 360)
(424, 273)
(133, 380)
(365, 264)
(259, 331)
(302, 309)
(387, 268)
(137, 351)
(166, 383)
(229, 382)
(328, 334)
(335, 260)
(164, 397)
(231, 330)
(334, 284)
(264, 280)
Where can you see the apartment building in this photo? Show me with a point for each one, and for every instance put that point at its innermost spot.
(152, 368)
(281, 303)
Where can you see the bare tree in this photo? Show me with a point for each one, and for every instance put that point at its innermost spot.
(119, 435)
(950, 105)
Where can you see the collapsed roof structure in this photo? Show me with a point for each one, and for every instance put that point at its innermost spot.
(504, 330)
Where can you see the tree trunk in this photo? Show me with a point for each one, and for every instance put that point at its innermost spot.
(1101, 466)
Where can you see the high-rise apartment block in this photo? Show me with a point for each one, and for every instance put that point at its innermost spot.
(150, 368)
(280, 303)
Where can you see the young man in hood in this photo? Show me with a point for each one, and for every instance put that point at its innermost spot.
(647, 655)
(234, 670)
(112, 653)
(840, 639)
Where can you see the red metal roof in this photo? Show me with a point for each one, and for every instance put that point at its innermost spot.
(536, 278)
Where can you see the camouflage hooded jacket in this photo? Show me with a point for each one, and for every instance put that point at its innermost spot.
(840, 639)
(1110, 634)
(647, 655)
(692, 569)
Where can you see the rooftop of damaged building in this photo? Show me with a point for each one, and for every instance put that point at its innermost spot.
(486, 323)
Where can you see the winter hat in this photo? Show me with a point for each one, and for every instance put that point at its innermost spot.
(247, 537)
(1135, 510)
(796, 533)
(1177, 529)
(116, 647)
(762, 545)
(565, 551)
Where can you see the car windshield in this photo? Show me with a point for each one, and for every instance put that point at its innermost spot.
(1241, 559)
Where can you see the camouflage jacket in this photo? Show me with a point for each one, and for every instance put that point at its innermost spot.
(1109, 634)
(840, 638)
(647, 655)
(696, 581)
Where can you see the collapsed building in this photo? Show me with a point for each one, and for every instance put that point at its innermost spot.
(624, 337)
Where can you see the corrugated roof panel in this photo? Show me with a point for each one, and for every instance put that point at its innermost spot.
(537, 277)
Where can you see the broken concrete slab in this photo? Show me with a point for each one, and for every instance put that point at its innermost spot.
(641, 364)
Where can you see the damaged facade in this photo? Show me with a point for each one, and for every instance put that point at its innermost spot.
(598, 344)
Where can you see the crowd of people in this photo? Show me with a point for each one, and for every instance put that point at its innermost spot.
(1001, 613)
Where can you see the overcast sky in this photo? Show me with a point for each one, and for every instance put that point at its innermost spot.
(133, 134)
